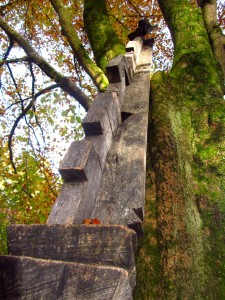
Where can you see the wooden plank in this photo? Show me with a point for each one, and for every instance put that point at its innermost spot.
(105, 111)
(145, 59)
(76, 164)
(117, 69)
(120, 199)
(29, 278)
(135, 47)
(76, 199)
(98, 244)
(137, 94)
(120, 87)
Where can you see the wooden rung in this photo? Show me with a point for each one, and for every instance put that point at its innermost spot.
(75, 165)
(99, 244)
(135, 47)
(30, 278)
(103, 115)
(105, 109)
(117, 69)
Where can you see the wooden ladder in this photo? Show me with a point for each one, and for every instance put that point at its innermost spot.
(104, 179)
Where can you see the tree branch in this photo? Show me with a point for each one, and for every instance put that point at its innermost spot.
(15, 60)
(217, 39)
(68, 86)
(104, 41)
(83, 58)
(23, 113)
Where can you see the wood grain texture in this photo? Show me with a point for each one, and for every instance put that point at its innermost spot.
(76, 164)
(105, 111)
(29, 278)
(122, 190)
(76, 199)
(100, 244)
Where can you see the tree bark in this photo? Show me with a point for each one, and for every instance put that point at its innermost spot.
(186, 149)
(104, 41)
(217, 39)
(79, 51)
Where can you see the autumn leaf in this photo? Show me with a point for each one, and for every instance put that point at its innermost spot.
(94, 221)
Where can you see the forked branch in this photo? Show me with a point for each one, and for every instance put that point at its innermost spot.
(66, 84)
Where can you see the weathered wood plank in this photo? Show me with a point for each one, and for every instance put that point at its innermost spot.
(77, 162)
(96, 244)
(117, 69)
(76, 198)
(120, 199)
(135, 47)
(120, 87)
(137, 94)
(105, 111)
(145, 58)
(29, 278)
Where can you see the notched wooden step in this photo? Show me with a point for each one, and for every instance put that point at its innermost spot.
(97, 244)
(135, 47)
(117, 69)
(104, 244)
(29, 278)
(76, 164)
(103, 114)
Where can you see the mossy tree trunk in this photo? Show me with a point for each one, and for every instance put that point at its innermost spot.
(182, 255)
(186, 150)
(104, 41)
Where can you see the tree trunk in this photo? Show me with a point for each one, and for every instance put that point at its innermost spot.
(104, 41)
(186, 150)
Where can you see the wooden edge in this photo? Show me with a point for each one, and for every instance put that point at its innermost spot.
(32, 278)
(118, 68)
(135, 47)
(74, 166)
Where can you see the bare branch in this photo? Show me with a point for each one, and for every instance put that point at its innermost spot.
(23, 113)
(15, 60)
(67, 85)
(138, 10)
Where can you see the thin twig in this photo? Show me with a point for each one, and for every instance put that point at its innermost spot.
(15, 60)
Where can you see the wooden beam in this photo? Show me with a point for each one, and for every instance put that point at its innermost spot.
(76, 198)
(30, 278)
(117, 69)
(96, 244)
(135, 47)
(106, 112)
(120, 199)
(76, 164)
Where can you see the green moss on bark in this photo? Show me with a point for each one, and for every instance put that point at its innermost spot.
(147, 256)
(104, 41)
(188, 156)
